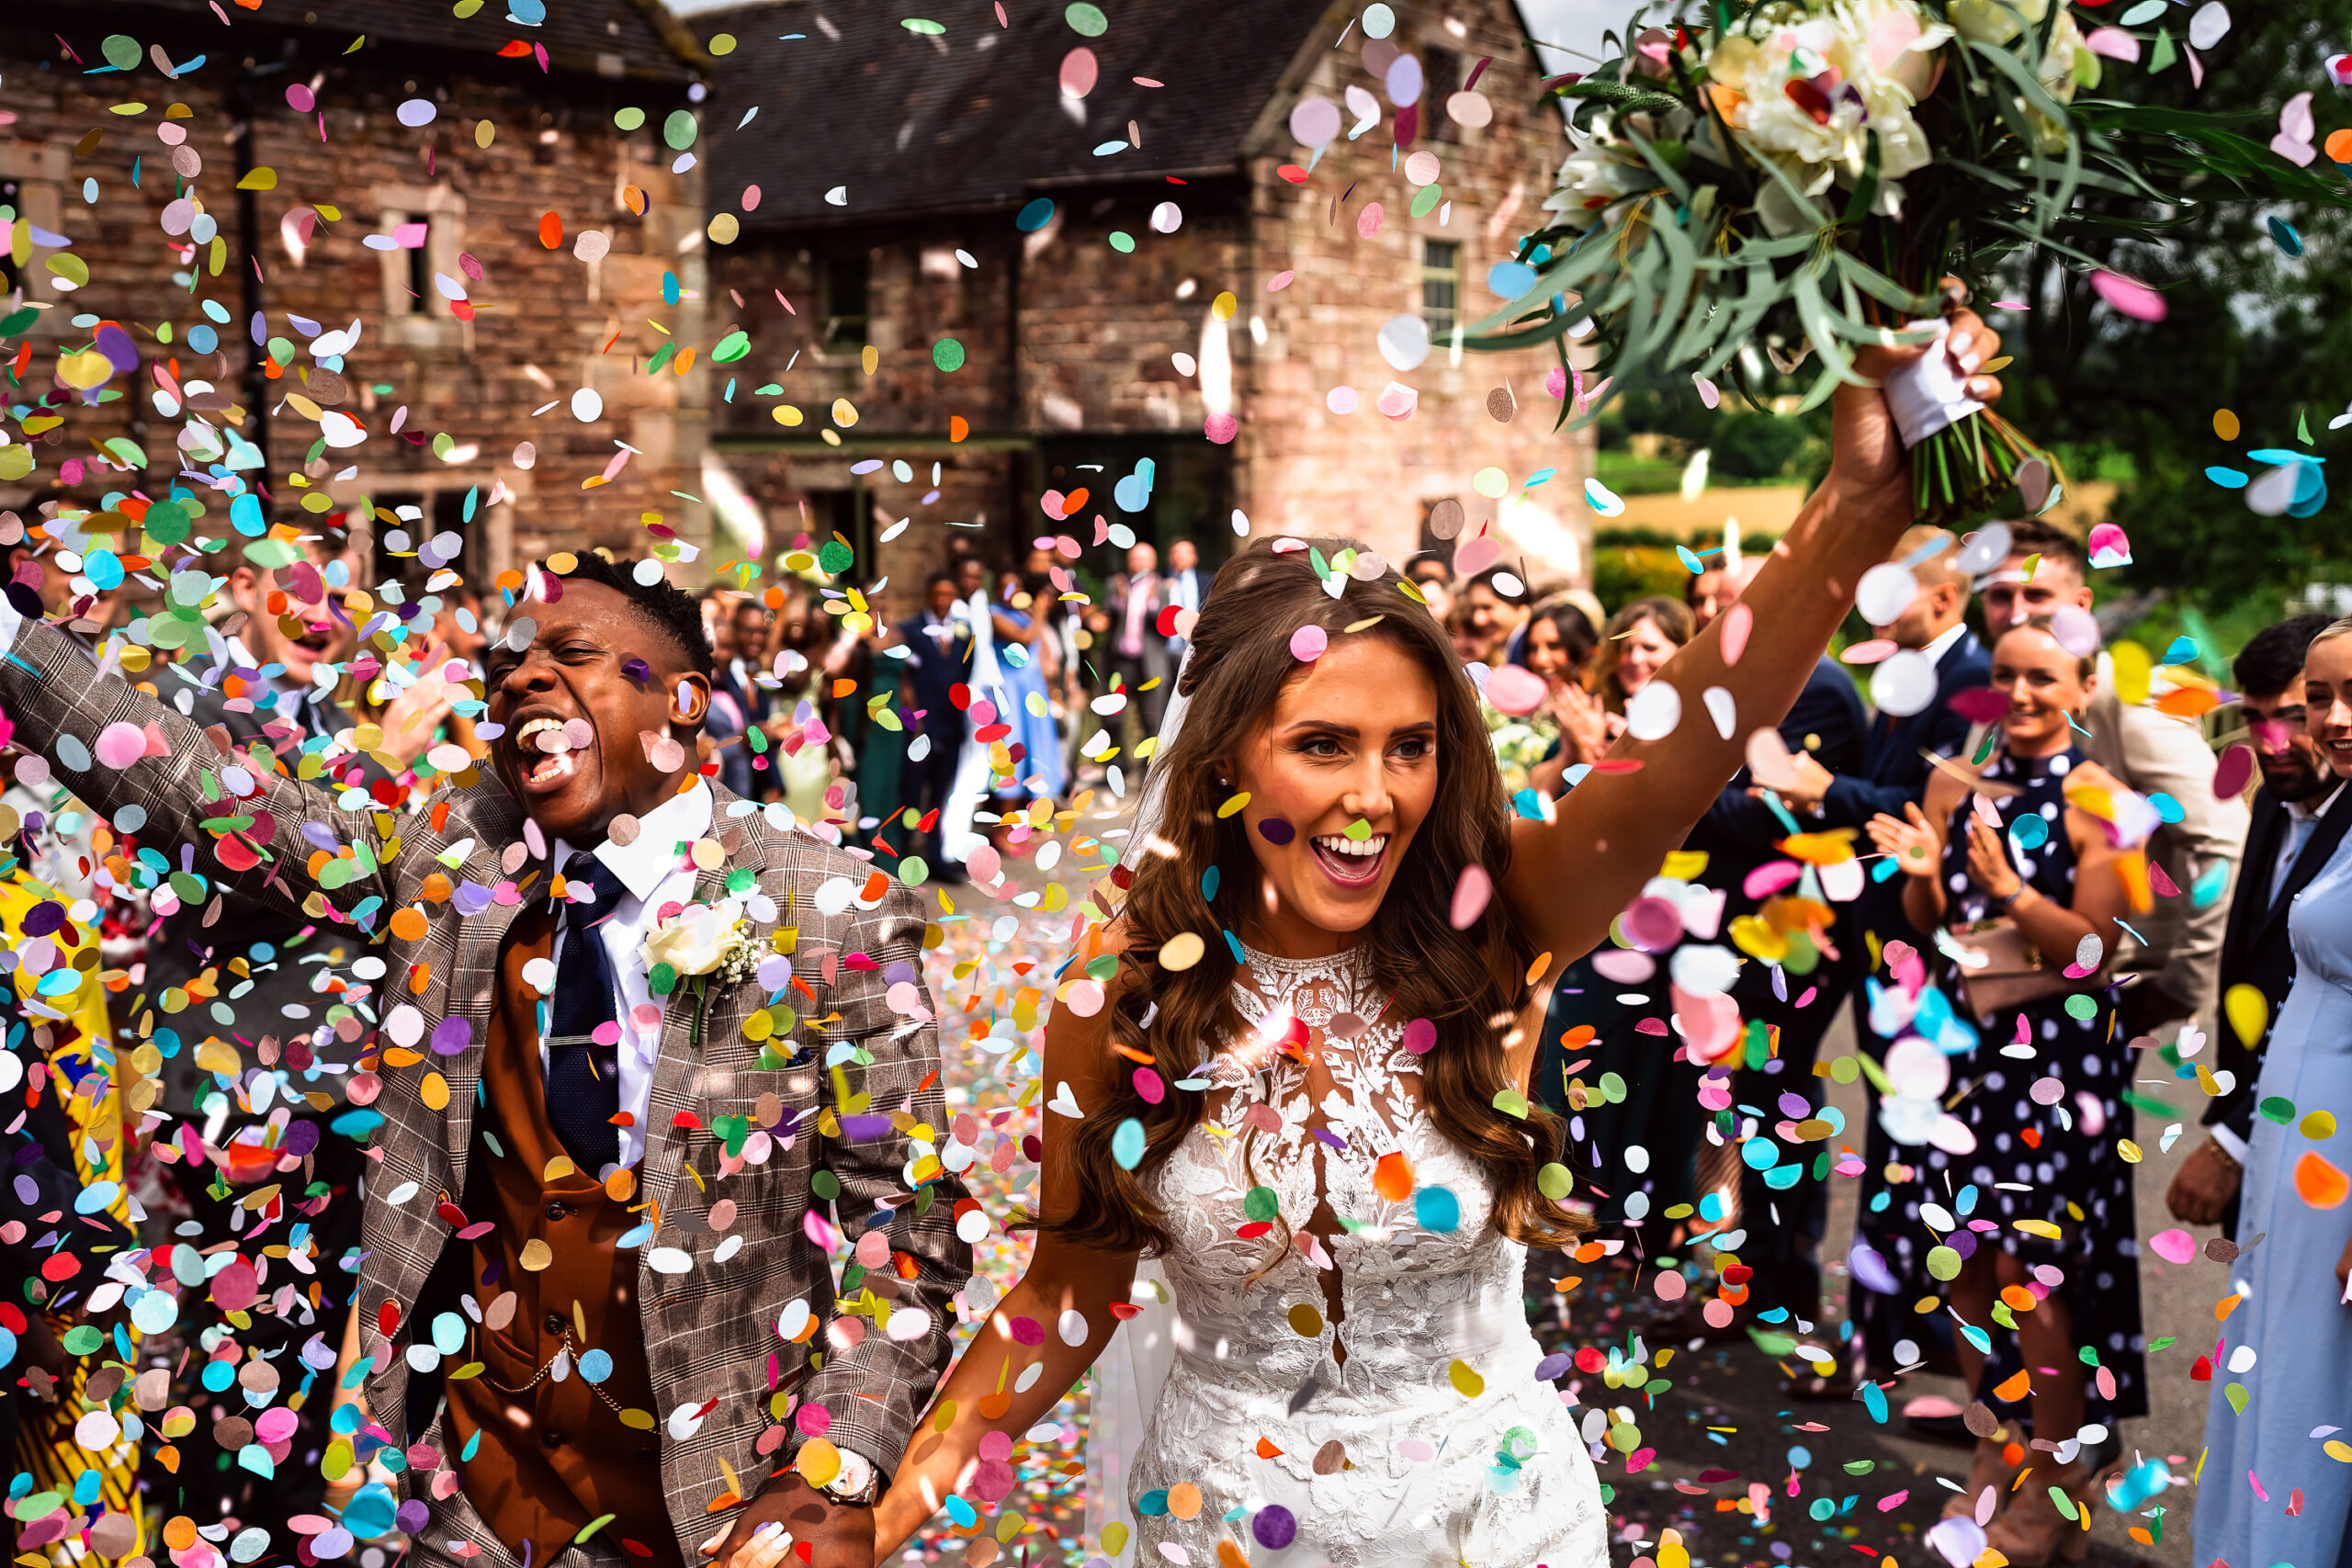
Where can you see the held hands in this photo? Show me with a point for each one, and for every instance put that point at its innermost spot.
(1910, 840)
(1867, 453)
(2203, 1187)
(789, 1514)
(1807, 785)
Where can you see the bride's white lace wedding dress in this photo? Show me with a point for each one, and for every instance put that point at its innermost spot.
(1410, 1432)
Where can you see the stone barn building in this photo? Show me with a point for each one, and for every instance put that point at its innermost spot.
(1111, 235)
(399, 163)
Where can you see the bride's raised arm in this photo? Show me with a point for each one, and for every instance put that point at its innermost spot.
(1571, 877)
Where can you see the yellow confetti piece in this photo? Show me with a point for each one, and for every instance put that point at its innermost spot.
(817, 1462)
(1234, 804)
(1465, 1380)
(1364, 626)
(1183, 951)
(2130, 1151)
(536, 1255)
(2225, 424)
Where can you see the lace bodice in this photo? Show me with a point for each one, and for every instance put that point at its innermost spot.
(1341, 1297)
(1388, 1223)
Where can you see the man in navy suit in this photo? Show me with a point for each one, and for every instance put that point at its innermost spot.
(1893, 772)
(942, 645)
(1741, 833)
(2299, 816)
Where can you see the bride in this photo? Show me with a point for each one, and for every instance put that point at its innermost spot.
(1300, 1079)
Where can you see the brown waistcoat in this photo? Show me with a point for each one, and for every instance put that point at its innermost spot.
(552, 1456)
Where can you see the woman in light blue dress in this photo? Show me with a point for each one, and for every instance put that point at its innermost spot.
(1023, 694)
(2286, 1350)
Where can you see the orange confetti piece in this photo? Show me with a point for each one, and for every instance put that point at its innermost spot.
(958, 427)
(1393, 1178)
(550, 230)
(2319, 1183)
(2016, 1388)
(1266, 1450)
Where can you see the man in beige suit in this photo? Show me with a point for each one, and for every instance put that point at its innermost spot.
(2154, 753)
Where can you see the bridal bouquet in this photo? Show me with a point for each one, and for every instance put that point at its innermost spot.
(1797, 176)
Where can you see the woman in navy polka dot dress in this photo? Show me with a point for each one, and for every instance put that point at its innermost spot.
(2039, 1206)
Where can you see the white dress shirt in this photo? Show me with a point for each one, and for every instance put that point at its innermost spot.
(2300, 820)
(1936, 645)
(653, 872)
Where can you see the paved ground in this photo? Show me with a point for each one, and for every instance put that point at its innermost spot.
(1729, 1420)
(1724, 1424)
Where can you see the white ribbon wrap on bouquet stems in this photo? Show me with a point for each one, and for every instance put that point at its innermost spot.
(1930, 393)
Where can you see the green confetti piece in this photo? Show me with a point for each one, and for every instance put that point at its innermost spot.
(947, 354)
(1087, 21)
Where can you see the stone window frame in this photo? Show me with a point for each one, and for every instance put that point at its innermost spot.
(40, 172)
(443, 209)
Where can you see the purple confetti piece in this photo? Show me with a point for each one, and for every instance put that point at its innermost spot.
(1275, 830)
(452, 1037)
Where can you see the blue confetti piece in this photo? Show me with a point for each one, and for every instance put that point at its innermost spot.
(1874, 1401)
(2283, 235)
(1437, 1208)
(2228, 478)
(1690, 563)
(2209, 884)
(2182, 652)
(1034, 216)
(1127, 1142)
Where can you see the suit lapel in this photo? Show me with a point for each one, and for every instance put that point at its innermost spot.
(2326, 834)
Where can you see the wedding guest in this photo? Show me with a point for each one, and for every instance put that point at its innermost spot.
(1634, 645)
(2299, 817)
(2058, 1200)
(2173, 955)
(1138, 653)
(2284, 1358)
(1557, 641)
(1435, 578)
(1492, 605)
(1187, 588)
(939, 640)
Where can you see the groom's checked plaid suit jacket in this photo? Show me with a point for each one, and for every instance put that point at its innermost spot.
(710, 1325)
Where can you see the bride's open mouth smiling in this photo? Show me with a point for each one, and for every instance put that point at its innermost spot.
(1350, 862)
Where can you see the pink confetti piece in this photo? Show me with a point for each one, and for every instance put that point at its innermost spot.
(1309, 642)
(1470, 896)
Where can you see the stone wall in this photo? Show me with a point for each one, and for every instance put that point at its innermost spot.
(1309, 469)
(544, 323)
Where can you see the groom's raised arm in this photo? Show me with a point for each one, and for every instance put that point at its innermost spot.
(247, 831)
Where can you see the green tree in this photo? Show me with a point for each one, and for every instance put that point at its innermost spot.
(2251, 328)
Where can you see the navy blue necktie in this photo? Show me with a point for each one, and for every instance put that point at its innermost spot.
(583, 1084)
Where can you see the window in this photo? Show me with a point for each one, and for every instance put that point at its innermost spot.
(1440, 286)
(419, 278)
(842, 301)
(1441, 72)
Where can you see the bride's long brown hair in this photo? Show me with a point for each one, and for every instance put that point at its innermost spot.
(1470, 984)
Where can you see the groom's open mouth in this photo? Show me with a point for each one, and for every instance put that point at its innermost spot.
(544, 757)
(1352, 862)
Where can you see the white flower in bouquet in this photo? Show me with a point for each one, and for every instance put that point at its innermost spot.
(1598, 175)
(1808, 92)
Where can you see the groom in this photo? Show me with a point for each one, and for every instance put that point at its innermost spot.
(606, 1188)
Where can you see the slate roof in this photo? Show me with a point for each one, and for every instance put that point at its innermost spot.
(975, 119)
(582, 37)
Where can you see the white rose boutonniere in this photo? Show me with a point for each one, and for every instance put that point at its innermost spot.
(701, 943)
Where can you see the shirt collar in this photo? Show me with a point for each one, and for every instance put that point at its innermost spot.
(1943, 641)
(2314, 812)
(647, 860)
